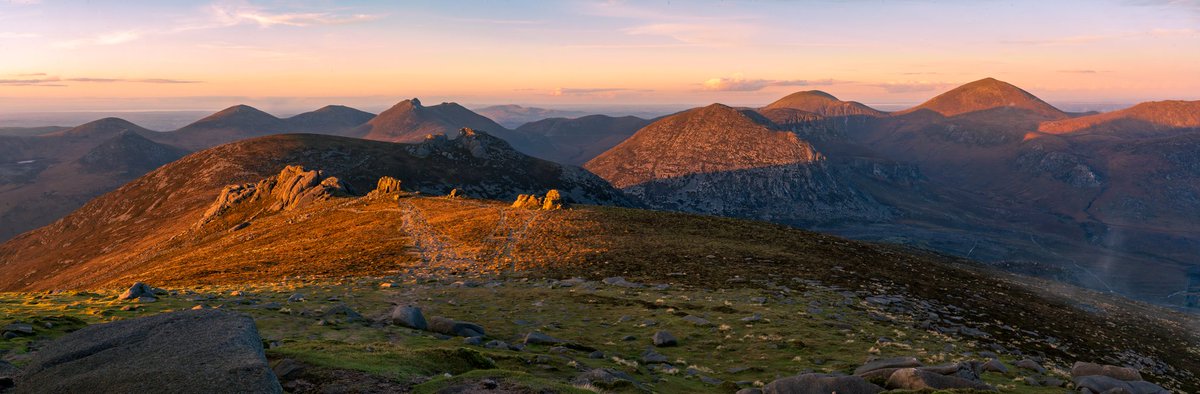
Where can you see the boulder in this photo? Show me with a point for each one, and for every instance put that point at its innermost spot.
(652, 357)
(604, 378)
(8, 374)
(18, 329)
(136, 291)
(343, 313)
(537, 338)
(878, 376)
(287, 369)
(917, 379)
(814, 383)
(697, 320)
(386, 185)
(1081, 369)
(527, 201)
(552, 201)
(1106, 384)
(621, 282)
(894, 362)
(453, 327)
(409, 316)
(664, 339)
(994, 365)
(191, 351)
(1030, 365)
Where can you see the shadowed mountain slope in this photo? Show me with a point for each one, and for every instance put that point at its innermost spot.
(1145, 119)
(575, 141)
(725, 161)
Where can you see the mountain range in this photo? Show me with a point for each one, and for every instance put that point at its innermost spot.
(49, 172)
(986, 171)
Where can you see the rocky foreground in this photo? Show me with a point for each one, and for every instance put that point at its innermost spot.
(425, 332)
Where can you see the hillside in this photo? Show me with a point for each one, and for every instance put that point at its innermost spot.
(46, 176)
(770, 300)
(1146, 119)
(575, 141)
(474, 163)
(725, 161)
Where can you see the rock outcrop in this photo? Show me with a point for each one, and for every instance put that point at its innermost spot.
(292, 188)
(552, 201)
(386, 186)
(193, 351)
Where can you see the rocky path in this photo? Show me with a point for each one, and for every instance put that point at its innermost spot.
(430, 245)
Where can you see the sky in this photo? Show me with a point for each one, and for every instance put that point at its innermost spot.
(288, 56)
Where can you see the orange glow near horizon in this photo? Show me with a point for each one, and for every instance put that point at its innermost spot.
(587, 53)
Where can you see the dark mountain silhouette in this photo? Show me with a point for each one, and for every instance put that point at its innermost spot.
(575, 141)
(129, 153)
(330, 119)
(513, 116)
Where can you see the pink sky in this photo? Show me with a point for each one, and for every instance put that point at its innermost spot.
(204, 54)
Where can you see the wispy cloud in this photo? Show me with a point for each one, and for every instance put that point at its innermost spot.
(224, 15)
(9, 34)
(27, 80)
(593, 91)
(236, 14)
(134, 80)
(1094, 38)
(739, 83)
(707, 34)
(23, 2)
(1078, 71)
(910, 86)
(109, 38)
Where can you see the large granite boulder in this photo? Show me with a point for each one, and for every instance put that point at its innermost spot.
(1106, 384)
(453, 327)
(1081, 369)
(815, 383)
(192, 351)
(920, 379)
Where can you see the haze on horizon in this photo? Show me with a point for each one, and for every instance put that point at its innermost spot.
(204, 54)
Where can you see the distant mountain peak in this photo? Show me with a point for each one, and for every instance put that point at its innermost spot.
(708, 139)
(409, 121)
(235, 116)
(824, 104)
(102, 127)
(986, 94)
